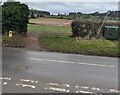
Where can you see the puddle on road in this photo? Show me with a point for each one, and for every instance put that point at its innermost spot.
(21, 67)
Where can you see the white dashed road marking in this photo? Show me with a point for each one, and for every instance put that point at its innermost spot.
(5, 83)
(80, 63)
(58, 89)
(85, 92)
(54, 84)
(113, 91)
(84, 87)
(66, 85)
(25, 85)
(5, 78)
(31, 81)
(95, 88)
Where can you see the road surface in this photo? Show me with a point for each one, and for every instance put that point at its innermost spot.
(26, 71)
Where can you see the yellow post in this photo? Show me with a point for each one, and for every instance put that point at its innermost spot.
(10, 34)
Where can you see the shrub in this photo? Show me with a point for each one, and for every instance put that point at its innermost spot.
(14, 17)
(89, 28)
(79, 29)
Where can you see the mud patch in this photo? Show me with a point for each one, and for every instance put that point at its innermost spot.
(31, 42)
(22, 68)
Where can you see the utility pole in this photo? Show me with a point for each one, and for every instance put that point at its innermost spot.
(103, 22)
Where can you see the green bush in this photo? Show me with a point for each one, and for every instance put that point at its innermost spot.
(79, 29)
(14, 17)
(89, 28)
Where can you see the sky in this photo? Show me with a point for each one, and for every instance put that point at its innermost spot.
(66, 6)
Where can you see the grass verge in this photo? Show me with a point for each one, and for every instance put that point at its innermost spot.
(88, 47)
(56, 38)
(15, 41)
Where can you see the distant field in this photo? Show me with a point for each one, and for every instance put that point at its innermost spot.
(60, 22)
(51, 21)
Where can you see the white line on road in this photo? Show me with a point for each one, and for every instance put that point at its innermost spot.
(95, 88)
(5, 83)
(58, 89)
(31, 81)
(85, 92)
(5, 78)
(84, 87)
(56, 84)
(80, 63)
(113, 91)
(26, 85)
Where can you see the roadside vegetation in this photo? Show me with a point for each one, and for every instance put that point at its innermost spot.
(61, 33)
(16, 41)
(15, 19)
(57, 39)
(67, 44)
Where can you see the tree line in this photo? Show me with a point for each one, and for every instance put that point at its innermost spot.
(35, 13)
(114, 15)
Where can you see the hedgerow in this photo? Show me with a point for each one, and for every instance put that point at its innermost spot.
(89, 28)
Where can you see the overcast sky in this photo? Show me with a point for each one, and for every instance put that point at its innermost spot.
(66, 6)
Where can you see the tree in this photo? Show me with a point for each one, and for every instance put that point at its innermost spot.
(14, 17)
(58, 14)
(32, 15)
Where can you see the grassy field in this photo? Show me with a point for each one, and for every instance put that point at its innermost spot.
(51, 21)
(40, 29)
(56, 38)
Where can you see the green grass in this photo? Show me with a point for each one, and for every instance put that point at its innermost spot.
(55, 39)
(71, 45)
(48, 29)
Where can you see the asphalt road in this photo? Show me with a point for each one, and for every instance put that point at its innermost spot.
(26, 71)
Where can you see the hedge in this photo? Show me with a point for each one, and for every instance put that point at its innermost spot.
(89, 28)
